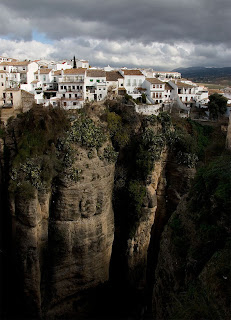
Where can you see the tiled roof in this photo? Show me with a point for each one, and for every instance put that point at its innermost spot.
(180, 84)
(3, 71)
(154, 81)
(132, 72)
(57, 72)
(75, 71)
(96, 73)
(43, 71)
(113, 75)
(167, 86)
(15, 63)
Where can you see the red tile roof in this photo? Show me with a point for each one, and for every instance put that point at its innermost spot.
(113, 75)
(154, 81)
(132, 72)
(96, 73)
(75, 71)
(43, 71)
(15, 63)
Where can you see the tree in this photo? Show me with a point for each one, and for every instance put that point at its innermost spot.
(74, 63)
(217, 105)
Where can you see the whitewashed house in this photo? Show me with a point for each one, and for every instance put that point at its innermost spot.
(186, 92)
(71, 89)
(82, 64)
(115, 81)
(155, 90)
(133, 80)
(95, 85)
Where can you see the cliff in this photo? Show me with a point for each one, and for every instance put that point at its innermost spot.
(63, 230)
(102, 217)
(192, 277)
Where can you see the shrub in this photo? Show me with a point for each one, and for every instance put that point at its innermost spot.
(110, 154)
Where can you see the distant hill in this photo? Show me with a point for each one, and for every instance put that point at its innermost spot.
(203, 74)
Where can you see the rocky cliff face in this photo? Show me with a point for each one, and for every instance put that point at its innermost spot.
(63, 224)
(138, 245)
(63, 238)
(192, 276)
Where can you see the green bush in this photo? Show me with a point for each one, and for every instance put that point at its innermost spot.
(86, 133)
(110, 154)
(137, 193)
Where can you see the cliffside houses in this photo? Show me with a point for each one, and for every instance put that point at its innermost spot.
(59, 84)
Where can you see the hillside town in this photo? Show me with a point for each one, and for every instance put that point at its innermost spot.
(71, 83)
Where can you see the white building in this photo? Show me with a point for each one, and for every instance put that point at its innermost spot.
(133, 80)
(158, 91)
(71, 91)
(95, 85)
(115, 82)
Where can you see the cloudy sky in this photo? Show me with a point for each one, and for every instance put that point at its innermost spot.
(162, 34)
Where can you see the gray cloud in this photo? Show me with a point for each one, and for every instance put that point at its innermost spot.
(189, 32)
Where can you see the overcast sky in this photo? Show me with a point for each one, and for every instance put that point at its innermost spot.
(162, 34)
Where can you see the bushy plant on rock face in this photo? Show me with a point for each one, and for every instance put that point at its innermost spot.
(86, 133)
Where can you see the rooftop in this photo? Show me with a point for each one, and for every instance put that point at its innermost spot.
(57, 72)
(75, 71)
(132, 72)
(15, 63)
(154, 81)
(43, 71)
(113, 75)
(96, 73)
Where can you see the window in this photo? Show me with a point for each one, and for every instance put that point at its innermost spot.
(74, 103)
(81, 87)
(44, 78)
(54, 79)
(2, 84)
(91, 80)
(77, 87)
(4, 95)
(97, 81)
(11, 101)
(63, 95)
(160, 85)
(99, 88)
(4, 68)
(75, 95)
(11, 94)
(69, 95)
(73, 87)
(65, 87)
(64, 104)
(61, 87)
(1, 75)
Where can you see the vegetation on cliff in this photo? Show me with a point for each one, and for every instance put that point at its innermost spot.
(43, 146)
(198, 242)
